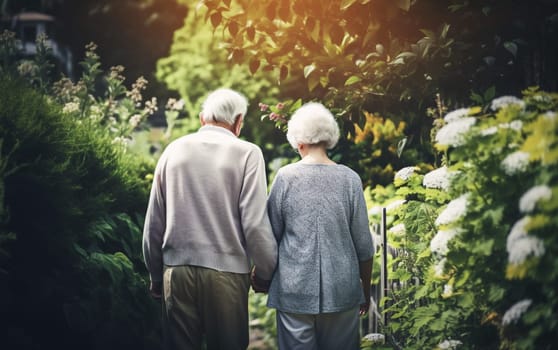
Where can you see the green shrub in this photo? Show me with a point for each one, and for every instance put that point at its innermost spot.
(70, 232)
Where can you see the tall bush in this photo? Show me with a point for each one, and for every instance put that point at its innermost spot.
(476, 237)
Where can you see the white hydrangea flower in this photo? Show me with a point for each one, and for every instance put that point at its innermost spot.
(516, 125)
(550, 115)
(394, 205)
(439, 243)
(398, 229)
(457, 114)
(439, 178)
(489, 131)
(440, 267)
(449, 344)
(455, 209)
(375, 338)
(520, 245)
(517, 231)
(453, 134)
(515, 162)
(505, 101)
(514, 313)
(405, 173)
(525, 247)
(375, 210)
(529, 200)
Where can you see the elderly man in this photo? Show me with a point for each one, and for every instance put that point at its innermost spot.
(206, 224)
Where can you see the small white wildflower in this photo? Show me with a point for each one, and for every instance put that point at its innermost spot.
(515, 312)
(515, 162)
(405, 173)
(375, 210)
(70, 107)
(135, 120)
(489, 131)
(440, 267)
(439, 178)
(375, 338)
(529, 200)
(398, 229)
(455, 209)
(439, 244)
(449, 344)
(457, 114)
(119, 140)
(505, 101)
(453, 134)
(112, 120)
(394, 205)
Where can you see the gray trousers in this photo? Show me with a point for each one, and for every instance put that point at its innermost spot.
(200, 303)
(326, 331)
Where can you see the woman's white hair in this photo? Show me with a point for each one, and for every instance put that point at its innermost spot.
(311, 124)
(224, 105)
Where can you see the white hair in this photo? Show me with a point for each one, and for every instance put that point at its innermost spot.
(224, 105)
(312, 124)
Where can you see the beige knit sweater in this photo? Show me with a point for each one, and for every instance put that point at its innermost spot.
(208, 206)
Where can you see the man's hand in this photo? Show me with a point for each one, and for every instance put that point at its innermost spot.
(258, 285)
(156, 290)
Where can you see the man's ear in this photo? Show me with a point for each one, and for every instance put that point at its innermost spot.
(238, 124)
(201, 120)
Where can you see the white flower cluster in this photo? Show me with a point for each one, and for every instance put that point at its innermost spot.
(455, 209)
(514, 125)
(529, 200)
(505, 101)
(514, 313)
(520, 245)
(515, 162)
(439, 243)
(405, 173)
(449, 344)
(395, 204)
(489, 131)
(448, 291)
(440, 267)
(550, 115)
(398, 229)
(439, 178)
(70, 107)
(375, 338)
(375, 210)
(455, 115)
(453, 133)
(135, 120)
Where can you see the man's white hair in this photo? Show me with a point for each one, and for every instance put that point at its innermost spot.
(311, 124)
(224, 105)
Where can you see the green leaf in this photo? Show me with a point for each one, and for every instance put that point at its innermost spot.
(490, 93)
(308, 70)
(352, 80)
(404, 4)
(511, 47)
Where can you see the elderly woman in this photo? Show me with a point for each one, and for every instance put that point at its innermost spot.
(319, 218)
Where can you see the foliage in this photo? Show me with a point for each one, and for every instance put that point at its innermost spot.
(390, 49)
(477, 232)
(70, 223)
(197, 64)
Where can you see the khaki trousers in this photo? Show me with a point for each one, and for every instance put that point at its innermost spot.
(200, 302)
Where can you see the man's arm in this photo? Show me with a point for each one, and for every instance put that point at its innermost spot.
(261, 245)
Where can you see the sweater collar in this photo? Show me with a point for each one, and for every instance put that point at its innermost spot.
(209, 127)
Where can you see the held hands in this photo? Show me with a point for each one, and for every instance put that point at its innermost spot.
(258, 285)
